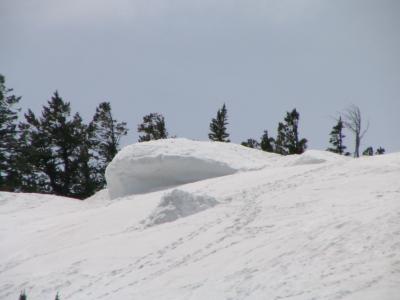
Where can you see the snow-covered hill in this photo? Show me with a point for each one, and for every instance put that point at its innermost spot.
(314, 226)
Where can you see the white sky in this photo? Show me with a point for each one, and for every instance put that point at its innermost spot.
(185, 58)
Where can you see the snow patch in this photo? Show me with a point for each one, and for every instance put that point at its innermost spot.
(100, 196)
(157, 165)
(179, 204)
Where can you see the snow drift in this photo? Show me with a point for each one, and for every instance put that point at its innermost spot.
(156, 165)
(178, 204)
(314, 226)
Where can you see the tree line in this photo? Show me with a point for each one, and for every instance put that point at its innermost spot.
(57, 152)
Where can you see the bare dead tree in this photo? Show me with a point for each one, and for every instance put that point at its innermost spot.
(352, 121)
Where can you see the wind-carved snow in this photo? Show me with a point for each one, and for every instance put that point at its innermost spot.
(157, 165)
(179, 204)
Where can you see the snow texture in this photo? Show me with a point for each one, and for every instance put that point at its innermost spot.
(317, 157)
(314, 226)
(178, 204)
(156, 165)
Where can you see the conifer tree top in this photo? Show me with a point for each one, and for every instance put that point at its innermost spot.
(218, 131)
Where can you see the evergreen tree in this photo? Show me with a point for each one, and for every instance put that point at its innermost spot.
(251, 143)
(29, 179)
(369, 151)
(287, 140)
(337, 137)
(380, 151)
(218, 126)
(108, 131)
(57, 297)
(294, 144)
(55, 141)
(105, 133)
(153, 127)
(267, 143)
(89, 176)
(9, 141)
(23, 296)
(280, 143)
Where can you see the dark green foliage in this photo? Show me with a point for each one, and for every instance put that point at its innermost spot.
(57, 149)
(218, 126)
(267, 143)
(108, 131)
(337, 137)
(369, 151)
(380, 151)
(57, 297)
(9, 141)
(280, 143)
(153, 127)
(89, 177)
(104, 133)
(251, 143)
(287, 140)
(23, 296)
(294, 144)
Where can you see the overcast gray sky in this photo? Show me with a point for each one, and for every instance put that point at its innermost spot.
(186, 58)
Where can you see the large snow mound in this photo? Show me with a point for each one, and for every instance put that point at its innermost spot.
(156, 165)
(178, 204)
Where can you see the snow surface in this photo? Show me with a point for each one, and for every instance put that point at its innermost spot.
(314, 226)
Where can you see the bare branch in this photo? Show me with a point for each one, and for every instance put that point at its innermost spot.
(353, 121)
(365, 130)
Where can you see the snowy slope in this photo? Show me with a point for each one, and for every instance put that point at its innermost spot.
(315, 226)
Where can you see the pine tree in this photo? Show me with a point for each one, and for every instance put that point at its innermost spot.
(89, 177)
(57, 297)
(23, 296)
(294, 144)
(251, 143)
(287, 140)
(55, 141)
(108, 131)
(9, 141)
(30, 180)
(280, 143)
(337, 137)
(380, 151)
(218, 126)
(105, 133)
(153, 127)
(369, 151)
(267, 143)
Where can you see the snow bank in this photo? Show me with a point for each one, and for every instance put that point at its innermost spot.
(179, 204)
(156, 165)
